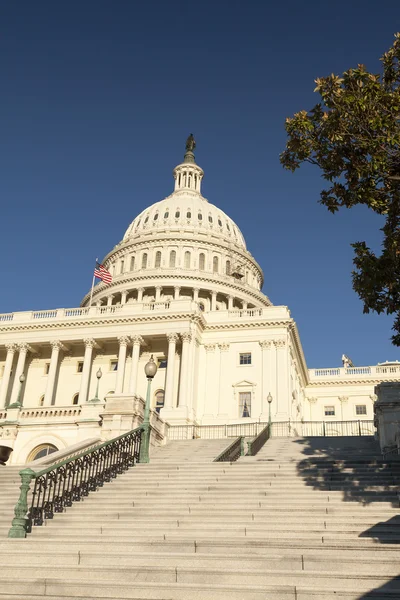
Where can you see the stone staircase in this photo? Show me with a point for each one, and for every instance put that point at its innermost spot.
(313, 518)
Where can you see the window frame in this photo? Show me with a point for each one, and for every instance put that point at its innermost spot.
(245, 364)
(241, 407)
(362, 414)
(330, 413)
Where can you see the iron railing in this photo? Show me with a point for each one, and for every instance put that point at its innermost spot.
(71, 480)
(391, 452)
(258, 442)
(322, 428)
(278, 429)
(232, 452)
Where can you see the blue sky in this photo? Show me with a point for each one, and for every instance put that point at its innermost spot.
(97, 99)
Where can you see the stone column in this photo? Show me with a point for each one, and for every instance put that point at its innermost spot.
(185, 364)
(5, 382)
(311, 402)
(244, 305)
(123, 297)
(23, 351)
(213, 300)
(137, 340)
(230, 302)
(87, 366)
(282, 381)
(265, 377)
(51, 378)
(209, 379)
(158, 293)
(109, 299)
(140, 294)
(123, 343)
(169, 384)
(343, 400)
(196, 294)
(177, 290)
(223, 356)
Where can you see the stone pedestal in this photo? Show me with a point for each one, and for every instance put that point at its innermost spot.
(387, 414)
(89, 421)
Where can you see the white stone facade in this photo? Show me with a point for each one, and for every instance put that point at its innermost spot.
(186, 290)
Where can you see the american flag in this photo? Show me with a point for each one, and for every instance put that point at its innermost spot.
(101, 273)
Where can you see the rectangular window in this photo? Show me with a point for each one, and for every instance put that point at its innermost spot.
(113, 365)
(46, 368)
(79, 367)
(162, 363)
(244, 404)
(245, 358)
(361, 409)
(329, 411)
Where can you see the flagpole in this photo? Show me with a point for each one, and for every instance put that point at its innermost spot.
(91, 292)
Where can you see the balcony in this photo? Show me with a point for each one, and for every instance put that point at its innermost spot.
(382, 372)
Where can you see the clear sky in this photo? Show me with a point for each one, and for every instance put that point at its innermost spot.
(97, 98)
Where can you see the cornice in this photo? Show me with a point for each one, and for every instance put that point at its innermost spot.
(333, 382)
(105, 320)
(246, 325)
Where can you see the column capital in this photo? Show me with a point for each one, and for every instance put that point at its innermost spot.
(265, 344)
(177, 287)
(280, 343)
(57, 344)
(312, 400)
(214, 293)
(24, 347)
(158, 287)
(343, 399)
(110, 296)
(209, 347)
(11, 347)
(89, 342)
(137, 340)
(123, 340)
(186, 336)
(224, 347)
(172, 337)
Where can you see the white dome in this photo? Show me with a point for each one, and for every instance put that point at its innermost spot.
(189, 211)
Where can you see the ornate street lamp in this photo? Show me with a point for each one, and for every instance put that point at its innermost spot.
(269, 398)
(150, 370)
(17, 403)
(99, 375)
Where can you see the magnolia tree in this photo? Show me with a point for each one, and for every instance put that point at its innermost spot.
(353, 136)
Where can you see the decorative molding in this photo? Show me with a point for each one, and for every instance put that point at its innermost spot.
(209, 347)
(90, 343)
(224, 347)
(280, 343)
(57, 344)
(137, 340)
(312, 400)
(265, 344)
(11, 347)
(124, 340)
(172, 337)
(186, 336)
(343, 399)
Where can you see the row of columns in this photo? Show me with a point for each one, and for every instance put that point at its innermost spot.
(90, 344)
(158, 291)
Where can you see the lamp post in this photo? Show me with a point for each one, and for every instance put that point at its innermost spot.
(150, 370)
(17, 403)
(269, 398)
(99, 375)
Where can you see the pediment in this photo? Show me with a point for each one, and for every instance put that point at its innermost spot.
(244, 383)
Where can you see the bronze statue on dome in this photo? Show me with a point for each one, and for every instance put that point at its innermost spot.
(190, 143)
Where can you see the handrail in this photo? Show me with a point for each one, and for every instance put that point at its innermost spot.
(393, 450)
(232, 452)
(70, 480)
(258, 442)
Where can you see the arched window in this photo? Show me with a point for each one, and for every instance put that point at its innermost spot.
(202, 261)
(157, 262)
(146, 219)
(188, 214)
(215, 264)
(155, 217)
(172, 259)
(166, 214)
(132, 263)
(210, 219)
(121, 268)
(159, 397)
(177, 214)
(42, 451)
(227, 226)
(228, 267)
(41, 400)
(200, 216)
(220, 222)
(187, 260)
(75, 399)
(138, 223)
(144, 261)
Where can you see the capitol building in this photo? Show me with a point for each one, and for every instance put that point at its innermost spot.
(186, 290)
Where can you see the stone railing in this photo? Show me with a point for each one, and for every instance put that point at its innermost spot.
(62, 314)
(49, 412)
(374, 372)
